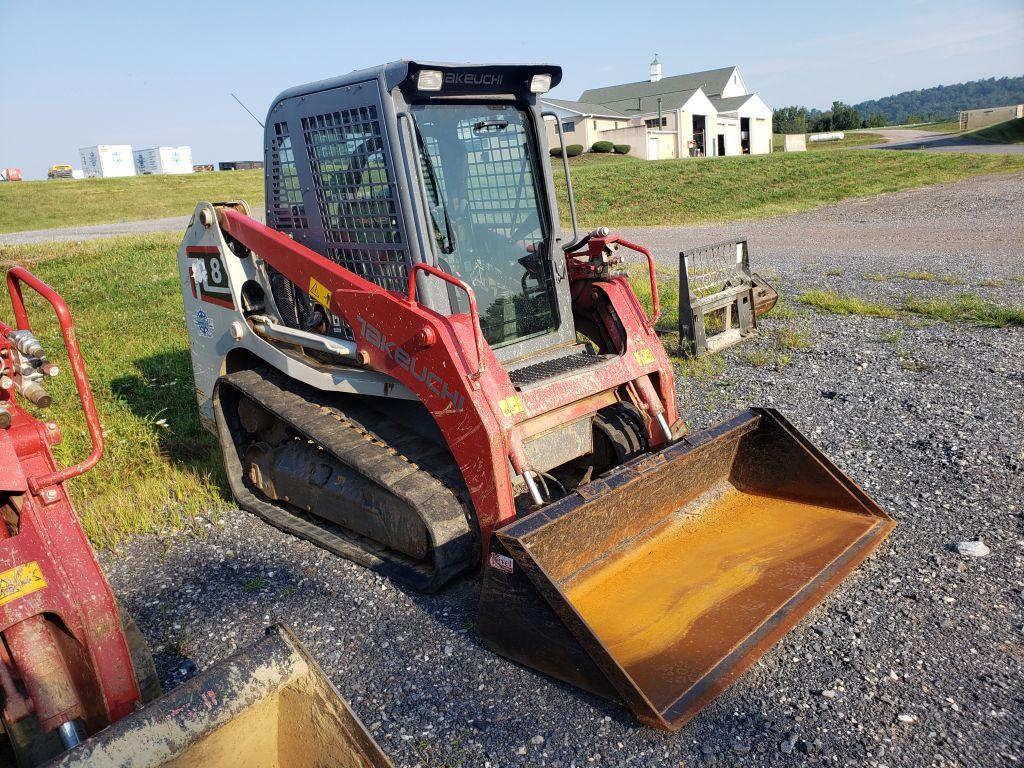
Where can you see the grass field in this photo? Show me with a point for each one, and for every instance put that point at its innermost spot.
(1010, 132)
(46, 204)
(160, 468)
(613, 190)
(850, 140)
(623, 191)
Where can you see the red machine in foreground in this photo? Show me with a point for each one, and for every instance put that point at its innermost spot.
(70, 662)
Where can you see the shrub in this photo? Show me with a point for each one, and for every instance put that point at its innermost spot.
(622, 149)
(574, 149)
(603, 147)
(556, 151)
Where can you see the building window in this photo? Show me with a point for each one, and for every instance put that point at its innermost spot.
(568, 126)
(653, 122)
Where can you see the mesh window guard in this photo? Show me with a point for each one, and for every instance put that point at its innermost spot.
(355, 195)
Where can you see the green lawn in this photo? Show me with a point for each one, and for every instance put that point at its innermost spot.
(67, 203)
(160, 468)
(612, 190)
(1010, 132)
(849, 140)
(626, 192)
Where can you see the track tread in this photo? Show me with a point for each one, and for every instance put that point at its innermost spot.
(412, 468)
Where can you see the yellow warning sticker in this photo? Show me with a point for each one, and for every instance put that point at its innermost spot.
(19, 581)
(510, 406)
(319, 293)
(644, 356)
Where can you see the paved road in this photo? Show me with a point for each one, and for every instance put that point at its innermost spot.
(91, 232)
(966, 225)
(941, 142)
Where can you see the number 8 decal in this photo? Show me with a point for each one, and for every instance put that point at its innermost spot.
(215, 271)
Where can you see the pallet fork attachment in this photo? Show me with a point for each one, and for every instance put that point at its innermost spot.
(715, 281)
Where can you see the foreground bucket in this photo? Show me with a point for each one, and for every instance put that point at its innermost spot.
(269, 706)
(660, 583)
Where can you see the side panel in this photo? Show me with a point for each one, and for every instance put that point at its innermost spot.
(211, 292)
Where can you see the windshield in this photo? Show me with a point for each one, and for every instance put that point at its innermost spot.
(479, 171)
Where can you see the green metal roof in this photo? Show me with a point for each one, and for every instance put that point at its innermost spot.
(674, 91)
(731, 103)
(643, 105)
(585, 108)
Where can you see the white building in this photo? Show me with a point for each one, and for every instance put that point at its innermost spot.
(700, 114)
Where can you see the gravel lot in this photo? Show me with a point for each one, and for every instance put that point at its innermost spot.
(915, 660)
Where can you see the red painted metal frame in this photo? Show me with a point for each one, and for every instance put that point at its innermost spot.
(464, 395)
(15, 277)
(64, 655)
(597, 245)
(474, 313)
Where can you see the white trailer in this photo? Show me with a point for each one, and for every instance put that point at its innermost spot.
(163, 160)
(106, 161)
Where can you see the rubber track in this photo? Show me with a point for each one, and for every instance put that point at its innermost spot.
(419, 472)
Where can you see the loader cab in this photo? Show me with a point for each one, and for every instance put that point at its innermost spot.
(444, 164)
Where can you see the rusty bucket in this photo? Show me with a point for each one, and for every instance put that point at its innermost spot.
(660, 583)
(269, 706)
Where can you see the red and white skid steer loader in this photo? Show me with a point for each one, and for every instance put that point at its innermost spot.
(410, 366)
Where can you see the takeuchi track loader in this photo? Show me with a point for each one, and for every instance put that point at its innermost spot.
(413, 367)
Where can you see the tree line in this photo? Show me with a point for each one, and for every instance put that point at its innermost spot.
(842, 117)
(926, 105)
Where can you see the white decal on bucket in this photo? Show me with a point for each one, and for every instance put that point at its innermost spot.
(203, 323)
(501, 562)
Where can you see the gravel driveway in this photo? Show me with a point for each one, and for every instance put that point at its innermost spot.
(915, 660)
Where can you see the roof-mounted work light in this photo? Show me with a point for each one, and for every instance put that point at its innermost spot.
(429, 80)
(540, 84)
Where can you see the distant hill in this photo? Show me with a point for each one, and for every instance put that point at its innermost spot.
(944, 101)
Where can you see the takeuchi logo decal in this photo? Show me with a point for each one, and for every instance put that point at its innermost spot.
(373, 335)
(472, 78)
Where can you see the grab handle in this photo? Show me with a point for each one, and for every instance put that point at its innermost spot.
(15, 277)
(474, 314)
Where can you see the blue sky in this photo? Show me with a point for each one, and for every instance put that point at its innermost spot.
(74, 74)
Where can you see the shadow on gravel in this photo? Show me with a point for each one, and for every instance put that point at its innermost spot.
(455, 609)
(221, 592)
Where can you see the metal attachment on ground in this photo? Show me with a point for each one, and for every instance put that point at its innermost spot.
(268, 705)
(717, 291)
